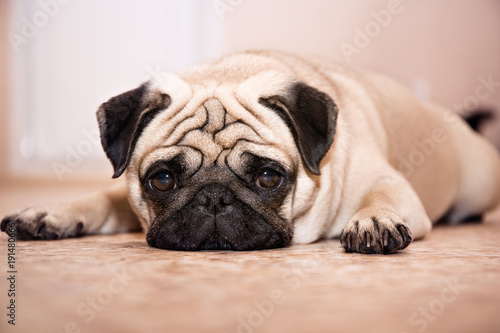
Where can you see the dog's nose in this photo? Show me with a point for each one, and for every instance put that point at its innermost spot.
(215, 199)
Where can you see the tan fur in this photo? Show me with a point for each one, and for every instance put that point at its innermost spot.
(367, 175)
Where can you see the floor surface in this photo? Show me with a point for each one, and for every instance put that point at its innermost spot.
(448, 282)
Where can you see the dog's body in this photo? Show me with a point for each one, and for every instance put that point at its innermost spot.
(263, 148)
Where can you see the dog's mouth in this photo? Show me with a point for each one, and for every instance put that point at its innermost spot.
(219, 221)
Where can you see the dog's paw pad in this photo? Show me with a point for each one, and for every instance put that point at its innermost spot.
(375, 235)
(40, 224)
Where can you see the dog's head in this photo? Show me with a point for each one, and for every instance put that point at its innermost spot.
(212, 155)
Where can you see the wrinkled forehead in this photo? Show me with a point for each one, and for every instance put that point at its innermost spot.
(212, 122)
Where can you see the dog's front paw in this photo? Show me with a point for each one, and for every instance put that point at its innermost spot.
(41, 223)
(376, 234)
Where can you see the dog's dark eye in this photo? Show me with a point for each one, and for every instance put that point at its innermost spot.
(162, 182)
(269, 179)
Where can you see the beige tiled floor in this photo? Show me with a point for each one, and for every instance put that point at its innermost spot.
(448, 282)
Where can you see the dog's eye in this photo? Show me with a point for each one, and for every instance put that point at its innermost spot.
(162, 182)
(269, 179)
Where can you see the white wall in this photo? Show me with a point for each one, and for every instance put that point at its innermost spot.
(71, 57)
(437, 48)
(90, 50)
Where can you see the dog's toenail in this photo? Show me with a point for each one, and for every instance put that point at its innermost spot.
(386, 238)
(39, 229)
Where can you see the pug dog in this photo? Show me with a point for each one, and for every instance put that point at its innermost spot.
(262, 149)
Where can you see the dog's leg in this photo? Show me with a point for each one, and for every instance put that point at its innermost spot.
(102, 212)
(388, 219)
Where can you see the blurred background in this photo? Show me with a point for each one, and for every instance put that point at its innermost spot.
(60, 59)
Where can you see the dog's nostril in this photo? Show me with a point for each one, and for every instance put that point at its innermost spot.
(202, 199)
(215, 198)
(227, 199)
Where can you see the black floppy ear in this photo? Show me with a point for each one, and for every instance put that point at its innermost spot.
(122, 120)
(311, 115)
